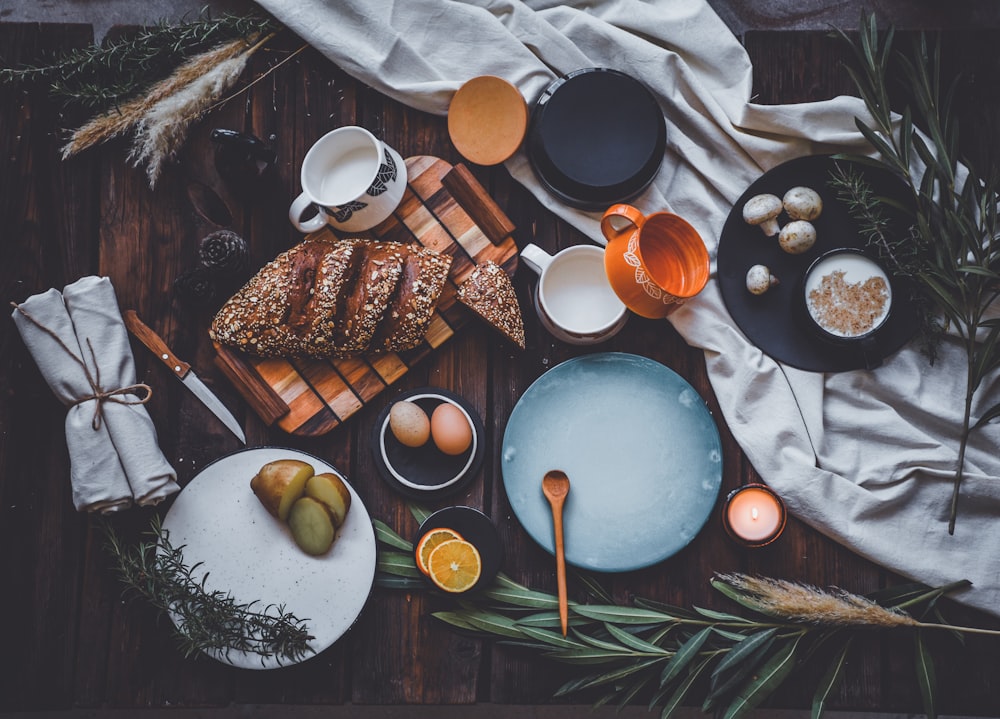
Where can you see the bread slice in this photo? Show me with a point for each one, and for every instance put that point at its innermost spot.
(425, 273)
(489, 293)
(378, 274)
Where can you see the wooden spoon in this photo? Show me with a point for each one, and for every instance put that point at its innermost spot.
(555, 487)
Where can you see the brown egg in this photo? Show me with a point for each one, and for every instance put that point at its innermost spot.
(409, 424)
(450, 429)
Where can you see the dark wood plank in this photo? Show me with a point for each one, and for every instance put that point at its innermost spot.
(48, 219)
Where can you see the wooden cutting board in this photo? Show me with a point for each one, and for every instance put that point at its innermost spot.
(444, 208)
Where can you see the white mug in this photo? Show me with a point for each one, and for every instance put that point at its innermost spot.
(353, 178)
(573, 298)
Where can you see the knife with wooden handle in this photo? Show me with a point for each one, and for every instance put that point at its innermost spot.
(183, 372)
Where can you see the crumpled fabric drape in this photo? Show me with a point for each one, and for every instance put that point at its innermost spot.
(866, 456)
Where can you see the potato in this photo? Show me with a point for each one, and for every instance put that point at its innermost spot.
(329, 490)
(279, 483)
(311, 525)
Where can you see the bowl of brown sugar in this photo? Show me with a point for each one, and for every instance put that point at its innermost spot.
(847, 296)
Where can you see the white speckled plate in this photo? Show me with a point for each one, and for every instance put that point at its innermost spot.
(250, 554)
(641, 450)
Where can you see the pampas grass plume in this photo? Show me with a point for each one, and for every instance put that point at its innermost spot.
(811, 605)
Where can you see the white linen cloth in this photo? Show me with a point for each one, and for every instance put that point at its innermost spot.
(114, 457)
(867, 457)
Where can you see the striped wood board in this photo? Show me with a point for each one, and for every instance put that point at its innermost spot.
(444, 208)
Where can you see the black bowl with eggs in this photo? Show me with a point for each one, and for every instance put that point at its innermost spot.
(428, 471)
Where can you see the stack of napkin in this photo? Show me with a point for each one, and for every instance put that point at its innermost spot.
(864, 456)
(81, 346)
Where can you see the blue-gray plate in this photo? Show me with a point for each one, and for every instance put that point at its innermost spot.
(641, 450)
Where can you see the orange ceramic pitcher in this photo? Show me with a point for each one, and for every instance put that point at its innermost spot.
(654, 262)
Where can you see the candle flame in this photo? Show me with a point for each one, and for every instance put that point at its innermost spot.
(753, 513)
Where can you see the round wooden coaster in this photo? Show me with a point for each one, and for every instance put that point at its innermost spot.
(487, 120)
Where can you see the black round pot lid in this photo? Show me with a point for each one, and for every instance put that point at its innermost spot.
(773, 321)
(596, 138)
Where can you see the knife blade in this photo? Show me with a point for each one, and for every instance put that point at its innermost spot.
(182, 370)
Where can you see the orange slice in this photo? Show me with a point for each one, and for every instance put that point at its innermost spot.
(431, 540)
(455, 565)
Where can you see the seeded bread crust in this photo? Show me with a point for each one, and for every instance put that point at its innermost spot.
(489, 293)
(328, 298)
(377, 280)
(424, 275)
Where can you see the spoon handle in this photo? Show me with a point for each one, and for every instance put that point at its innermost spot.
(557, 524)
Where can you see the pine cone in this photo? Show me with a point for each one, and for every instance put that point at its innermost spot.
(195, 286)
(224, 252)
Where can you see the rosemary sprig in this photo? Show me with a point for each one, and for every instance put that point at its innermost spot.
(894, 242)
(956, 234)
(661, 651)
(209, 621)
(98, 77)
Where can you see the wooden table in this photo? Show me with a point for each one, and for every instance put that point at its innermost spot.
(71, 642)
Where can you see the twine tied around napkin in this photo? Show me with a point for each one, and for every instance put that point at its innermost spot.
(100, 394)
(115, 460)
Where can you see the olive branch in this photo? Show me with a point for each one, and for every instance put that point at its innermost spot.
(952, 251)
(664, 653)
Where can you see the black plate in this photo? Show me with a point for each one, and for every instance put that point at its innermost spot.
(596, 138)
(426, 472)
(475, 527)
(772, 321)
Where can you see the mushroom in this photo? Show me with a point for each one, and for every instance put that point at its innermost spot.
(796, 237)
(762, 210)
(760, 279)
(802, 203)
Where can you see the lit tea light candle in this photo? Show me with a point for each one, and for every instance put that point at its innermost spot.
(754, 515)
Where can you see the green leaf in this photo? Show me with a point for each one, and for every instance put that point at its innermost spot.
(522, 597)
(727, 634)
(740, 597)
(988, 416)
(589, 656)
(598, 679)
(687, 652)
(621, 615)
(677, 698)
(637, 686)
(544, 620)
(723, 685)
(392, 581)
(667, 609)
(385, 534)
(721, 616)
(555, 639)
(493, 624)
(634, 642)
(831, 679)
(744, 649)
(397, 563)
(601, 644)
(593, 588)
(456, 619)
(765, 681)
(925, 674)
(419, 512)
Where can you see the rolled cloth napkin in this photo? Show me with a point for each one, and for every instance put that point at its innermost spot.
(867, 457)
(79, 342)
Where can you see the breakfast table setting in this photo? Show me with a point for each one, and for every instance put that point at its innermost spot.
(452, 354)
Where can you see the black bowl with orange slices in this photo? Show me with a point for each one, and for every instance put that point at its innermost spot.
(458, 549)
